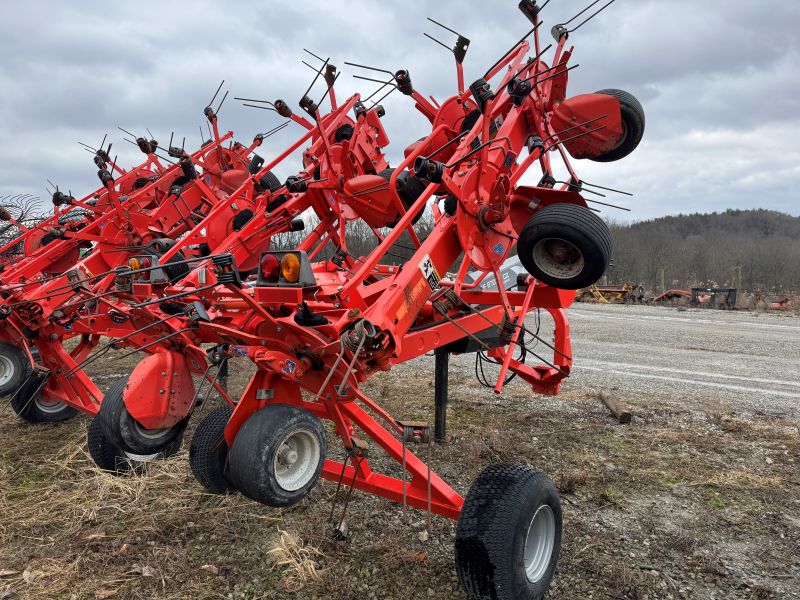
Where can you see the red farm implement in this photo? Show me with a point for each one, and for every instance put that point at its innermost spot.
(318, 328)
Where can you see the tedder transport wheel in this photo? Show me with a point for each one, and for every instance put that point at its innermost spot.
(632, 126)
(208, 453)
(13, 368)
(565, 246)
(33, 403)
(109, 457)
(508, 537)
(122, 430)
(277, 455)
(409, 188)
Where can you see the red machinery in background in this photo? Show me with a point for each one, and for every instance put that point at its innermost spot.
(139, 213)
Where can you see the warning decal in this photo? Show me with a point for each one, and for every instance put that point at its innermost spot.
(429, 272)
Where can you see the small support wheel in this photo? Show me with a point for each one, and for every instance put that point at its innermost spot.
(33, 403)
(112, 459)
(122, 430)
(14, 368)
(409, 188)
(632, 126)
(565, 246)
(508, 537)
(277, 456)
(208, 453)
(450, 205)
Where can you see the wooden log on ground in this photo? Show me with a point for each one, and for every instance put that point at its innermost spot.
(618, 408)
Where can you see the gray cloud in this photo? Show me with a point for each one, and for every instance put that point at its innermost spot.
(718, 81)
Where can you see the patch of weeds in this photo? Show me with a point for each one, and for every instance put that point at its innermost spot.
(716, 502)
(570, 481)
(608, 494)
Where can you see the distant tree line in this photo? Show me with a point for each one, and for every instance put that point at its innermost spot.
(753, 250)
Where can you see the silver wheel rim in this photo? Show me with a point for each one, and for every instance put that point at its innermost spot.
(539, 543)
(296, 460)
(7, 369)
(48, 406)
(140, 458)
(558, 258)
(150, 434)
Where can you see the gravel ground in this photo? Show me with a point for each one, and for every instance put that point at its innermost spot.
(748, 360)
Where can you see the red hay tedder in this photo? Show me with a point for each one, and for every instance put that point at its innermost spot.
(180, 266)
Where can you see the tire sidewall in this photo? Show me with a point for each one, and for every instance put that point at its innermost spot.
(536, 495)
(208, 451)
(633, 121)
(23, 401)
(20, 366)
(251, 459)
(120, 429)
(492, 530)
(545, 225)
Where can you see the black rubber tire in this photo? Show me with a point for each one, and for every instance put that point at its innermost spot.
(109, 457)
(20, 365)
(270, 182)
(208, 452)
(242, 218)
(450, 205)
(633, 122)
(409, 188)
(492, 530)
(23, 401)
(343, 133)
(158, 248)
(177, 272)
(574, 224)
(251, 459)
(121, 429)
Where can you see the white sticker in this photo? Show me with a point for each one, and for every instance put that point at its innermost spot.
(429, 272)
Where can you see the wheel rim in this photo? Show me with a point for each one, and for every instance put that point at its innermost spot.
(539, 543)
(48, 406)
(558, 258)
(150, 434)
(295, 462)
(624, 136)
(7, 370)
(140, 458)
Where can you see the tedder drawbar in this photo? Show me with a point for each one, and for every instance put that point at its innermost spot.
(216, 289)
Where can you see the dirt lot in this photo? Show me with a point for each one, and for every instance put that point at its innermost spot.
(698, 498)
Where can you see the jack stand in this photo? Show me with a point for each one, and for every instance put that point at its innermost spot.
(415, 432)
(222, 377)
(440, 396)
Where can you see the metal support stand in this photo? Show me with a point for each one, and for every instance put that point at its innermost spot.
(223, 376)
(440, 394)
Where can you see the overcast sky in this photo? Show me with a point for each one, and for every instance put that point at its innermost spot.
(719, 80)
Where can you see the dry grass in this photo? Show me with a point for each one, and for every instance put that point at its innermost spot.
(69, 528)
(296, 560)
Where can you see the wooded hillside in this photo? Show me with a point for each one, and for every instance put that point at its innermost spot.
(754, 250)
